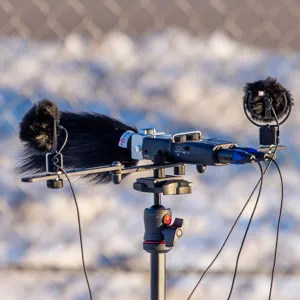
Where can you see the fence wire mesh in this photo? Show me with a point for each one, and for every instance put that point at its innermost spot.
(264, 23)
(175, 65)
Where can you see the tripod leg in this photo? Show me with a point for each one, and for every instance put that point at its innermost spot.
(158, 276)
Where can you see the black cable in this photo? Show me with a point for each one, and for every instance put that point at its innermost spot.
(78, 214)
(80, 233)
(249, 223)
(227, 237)
(278, 226)
(246, 232)
(244, 207)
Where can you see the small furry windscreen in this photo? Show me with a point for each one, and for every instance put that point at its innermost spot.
(274, 91)
(92, 140)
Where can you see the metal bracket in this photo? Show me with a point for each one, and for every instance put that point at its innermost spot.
(169, 185)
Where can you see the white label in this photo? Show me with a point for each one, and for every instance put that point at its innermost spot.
(124, 139)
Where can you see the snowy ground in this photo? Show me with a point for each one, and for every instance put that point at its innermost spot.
(172, 81)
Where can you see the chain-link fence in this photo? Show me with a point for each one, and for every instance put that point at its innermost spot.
(175, 65)
(265, 23)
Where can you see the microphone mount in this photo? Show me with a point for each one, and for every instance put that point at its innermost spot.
(267, 104)
(268, 133)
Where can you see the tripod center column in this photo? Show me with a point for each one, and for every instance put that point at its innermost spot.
(158, 276)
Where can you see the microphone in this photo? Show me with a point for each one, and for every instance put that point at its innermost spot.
(37, 126)
(267, 104)
(92, 140)
(261, 95)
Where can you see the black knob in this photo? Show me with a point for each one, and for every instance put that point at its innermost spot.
(116, 177)
(180, 138)
(55, 184)
(193, 136)
(200, 168)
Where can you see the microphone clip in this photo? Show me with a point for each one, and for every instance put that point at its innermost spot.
(54, 162)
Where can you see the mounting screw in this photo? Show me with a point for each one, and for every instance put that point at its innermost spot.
(179, 232)
(147, 131)
(116, 176)
(55, 183)
(180, 170)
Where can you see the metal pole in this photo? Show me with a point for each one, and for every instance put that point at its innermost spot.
(158, 173)
(158, 276)
(157, 199)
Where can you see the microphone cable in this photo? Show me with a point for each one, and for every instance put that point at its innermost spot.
(231, 230)
(246, 232)
(78, 215)
(277, 234)
(271, 159)
(278, 227)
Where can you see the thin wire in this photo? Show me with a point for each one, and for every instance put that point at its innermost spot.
(277, 123)
(246, 232)
(224, 243)
(65, 142)
(278, 227)
(78, 214)
(253, 212)
(244, 207)
(254, 209)
(80, 232)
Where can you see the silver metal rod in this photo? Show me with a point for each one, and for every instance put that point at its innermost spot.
(158, 276)
(87, 171)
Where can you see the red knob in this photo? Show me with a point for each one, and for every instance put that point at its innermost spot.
(167, 219)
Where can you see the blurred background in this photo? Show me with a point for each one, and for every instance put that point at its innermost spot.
(176, 65)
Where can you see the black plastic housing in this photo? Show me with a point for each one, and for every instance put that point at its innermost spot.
(192, 152)
(268, 135)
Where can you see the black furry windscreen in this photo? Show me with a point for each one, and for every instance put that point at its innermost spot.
(275, 92)
(36, 128)
(92, 140)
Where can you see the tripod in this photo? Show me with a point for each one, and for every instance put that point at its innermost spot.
(160, 236)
